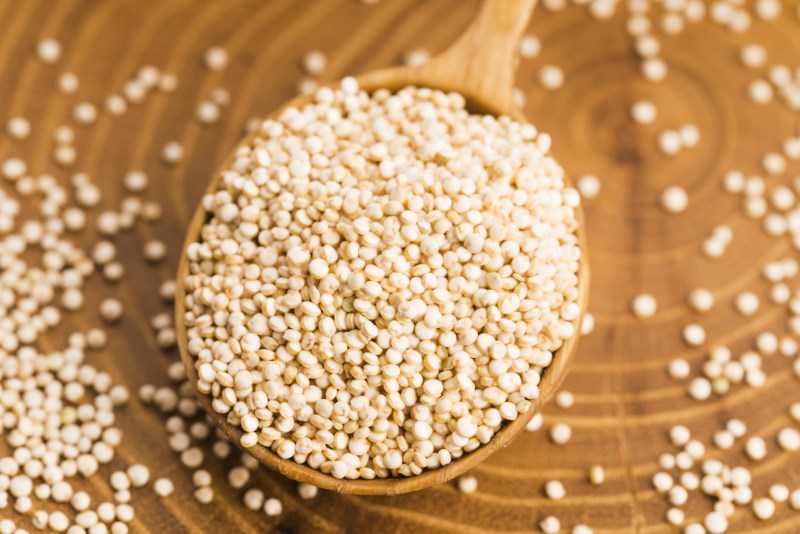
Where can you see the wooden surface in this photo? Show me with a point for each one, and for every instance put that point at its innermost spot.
(624, 399)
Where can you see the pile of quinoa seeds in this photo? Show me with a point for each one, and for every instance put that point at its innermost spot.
(381, 280)
(59, 466)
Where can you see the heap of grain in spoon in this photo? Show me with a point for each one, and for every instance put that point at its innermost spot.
(382, 280)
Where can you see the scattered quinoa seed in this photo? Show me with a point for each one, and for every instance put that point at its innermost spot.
(589, 186)
(529, 46)
(597, 475)
(674, 199)
(307, 491)
(49, 50)
(314, 63)
(644, 305)
(467, 484)
(643, 112)
(560, 433)
(215, 58)
(551, 77)
(172, 152)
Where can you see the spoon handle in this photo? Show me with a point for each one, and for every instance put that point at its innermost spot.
(481, 63)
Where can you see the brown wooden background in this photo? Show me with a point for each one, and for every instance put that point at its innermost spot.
(624, 399)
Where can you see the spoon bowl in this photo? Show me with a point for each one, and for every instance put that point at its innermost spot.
(480, 66)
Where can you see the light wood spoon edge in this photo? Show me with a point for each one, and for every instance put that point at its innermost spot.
(480, 66)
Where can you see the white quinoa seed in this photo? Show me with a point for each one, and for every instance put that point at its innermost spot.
(110, 310)
(763, 508)
(700, 388)
(168, 82)
(135, 91)
(314, 63)
(587, 325)
(674, 199)
(163, 487)
(734, 182)
(68, 83)
(679, 435)
(597, 475)
(690, 135)
(715, 523)
(794, 499)
(694, 335)
(273, 507)
(253, 499)
(672, 23)
(589, 186)
(84, 113)
(644, 112)
(154, 250)
(554, 490)
(204, 495)
(701, 300)
(670, 142)
(644, 305)
(794, 412)
(768, 9)
(306, 86)
(49, 50)
(467, 484)
(654, 69)
(678, 495)
(550, 525)
(416, 57)
(18, 128)
(662, 482)
(774, 163)
(560, 433)
(529, 46)
(779, 493)
(564, 399)
(747, 303)
(679, 369)
(647, 46)
(307, 491)
(13, 168)
(215, 58)
(115, 105)
(736, 427)
(535, 422)
(238, 477)
(724, 439)
(753, 56)
(207, 112)
(675, 516)
(135, 181)
(788, 439)
(139, 475)
(551, 77)
(760, 92)
(201, 478)
(64, 155)
(756, 448)
(172, 153)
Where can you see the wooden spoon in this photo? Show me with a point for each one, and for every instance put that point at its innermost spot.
(480, 66)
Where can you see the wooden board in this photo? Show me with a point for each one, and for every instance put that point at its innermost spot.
(624, 399)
